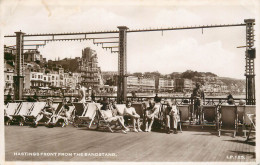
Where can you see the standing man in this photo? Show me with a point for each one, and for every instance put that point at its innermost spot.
(198, 97)
(82, 94)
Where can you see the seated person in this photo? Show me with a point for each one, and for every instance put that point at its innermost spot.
(48, 111)
(109, 117)
(62, 115)
(230, 100)
(151, 113)
(129, 112)
(172, 117)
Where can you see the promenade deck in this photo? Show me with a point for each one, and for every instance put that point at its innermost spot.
(193, 144)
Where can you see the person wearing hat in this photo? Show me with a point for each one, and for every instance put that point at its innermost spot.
(198, 97)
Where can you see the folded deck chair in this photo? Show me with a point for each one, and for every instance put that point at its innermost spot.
(33, 112)
(22, 111)
(228, 120)
(184, 114)
(10, 110)
(209, 115)
(249, 110)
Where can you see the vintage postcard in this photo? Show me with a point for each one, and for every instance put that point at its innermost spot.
(129, 81)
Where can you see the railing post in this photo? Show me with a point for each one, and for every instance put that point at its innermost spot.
(19, 67)
(122, 67)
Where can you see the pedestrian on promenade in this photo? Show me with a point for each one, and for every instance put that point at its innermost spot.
(82, 94)
(198, 97)
(157, 98)
(230, 99)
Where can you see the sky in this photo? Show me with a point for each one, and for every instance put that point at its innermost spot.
(215, 50)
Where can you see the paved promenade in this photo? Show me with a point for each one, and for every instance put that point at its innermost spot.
(80, 144)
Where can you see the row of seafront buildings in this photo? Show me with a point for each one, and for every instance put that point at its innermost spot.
(54, 75)
(164, 84)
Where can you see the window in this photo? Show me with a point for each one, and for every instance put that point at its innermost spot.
(39, 76)
(7, 77)
(44, 78)
(53, 78)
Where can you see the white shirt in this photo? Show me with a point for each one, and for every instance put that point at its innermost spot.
(107, 113)
(130, 110)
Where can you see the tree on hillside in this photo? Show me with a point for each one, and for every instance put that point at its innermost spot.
(138, 74)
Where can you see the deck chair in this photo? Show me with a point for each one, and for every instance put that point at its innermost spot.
(90, 113)
(249, 110)
(252, 118)
(21, 112)
(10, 110)
(228, 120)
(158, 119)
(240, 114)
(85, 113)
(71, 112)
(139, 108)
(163, 109)
(58, 108)
(102, 122)
(184, 114)
(79, 109)
(33, 112)
(209, 115)
(120, 109)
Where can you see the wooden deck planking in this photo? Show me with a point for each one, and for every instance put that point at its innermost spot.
(154, 146)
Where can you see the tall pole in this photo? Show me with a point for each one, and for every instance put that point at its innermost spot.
(19, 67)
(122, 68)
(250, 66)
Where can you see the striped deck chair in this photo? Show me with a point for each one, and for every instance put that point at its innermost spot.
(209, 115)
(58, 108)
(33, 112)
(228, 120)
(21, 112)
(249, 110)
(10, 110)
(184, 114)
